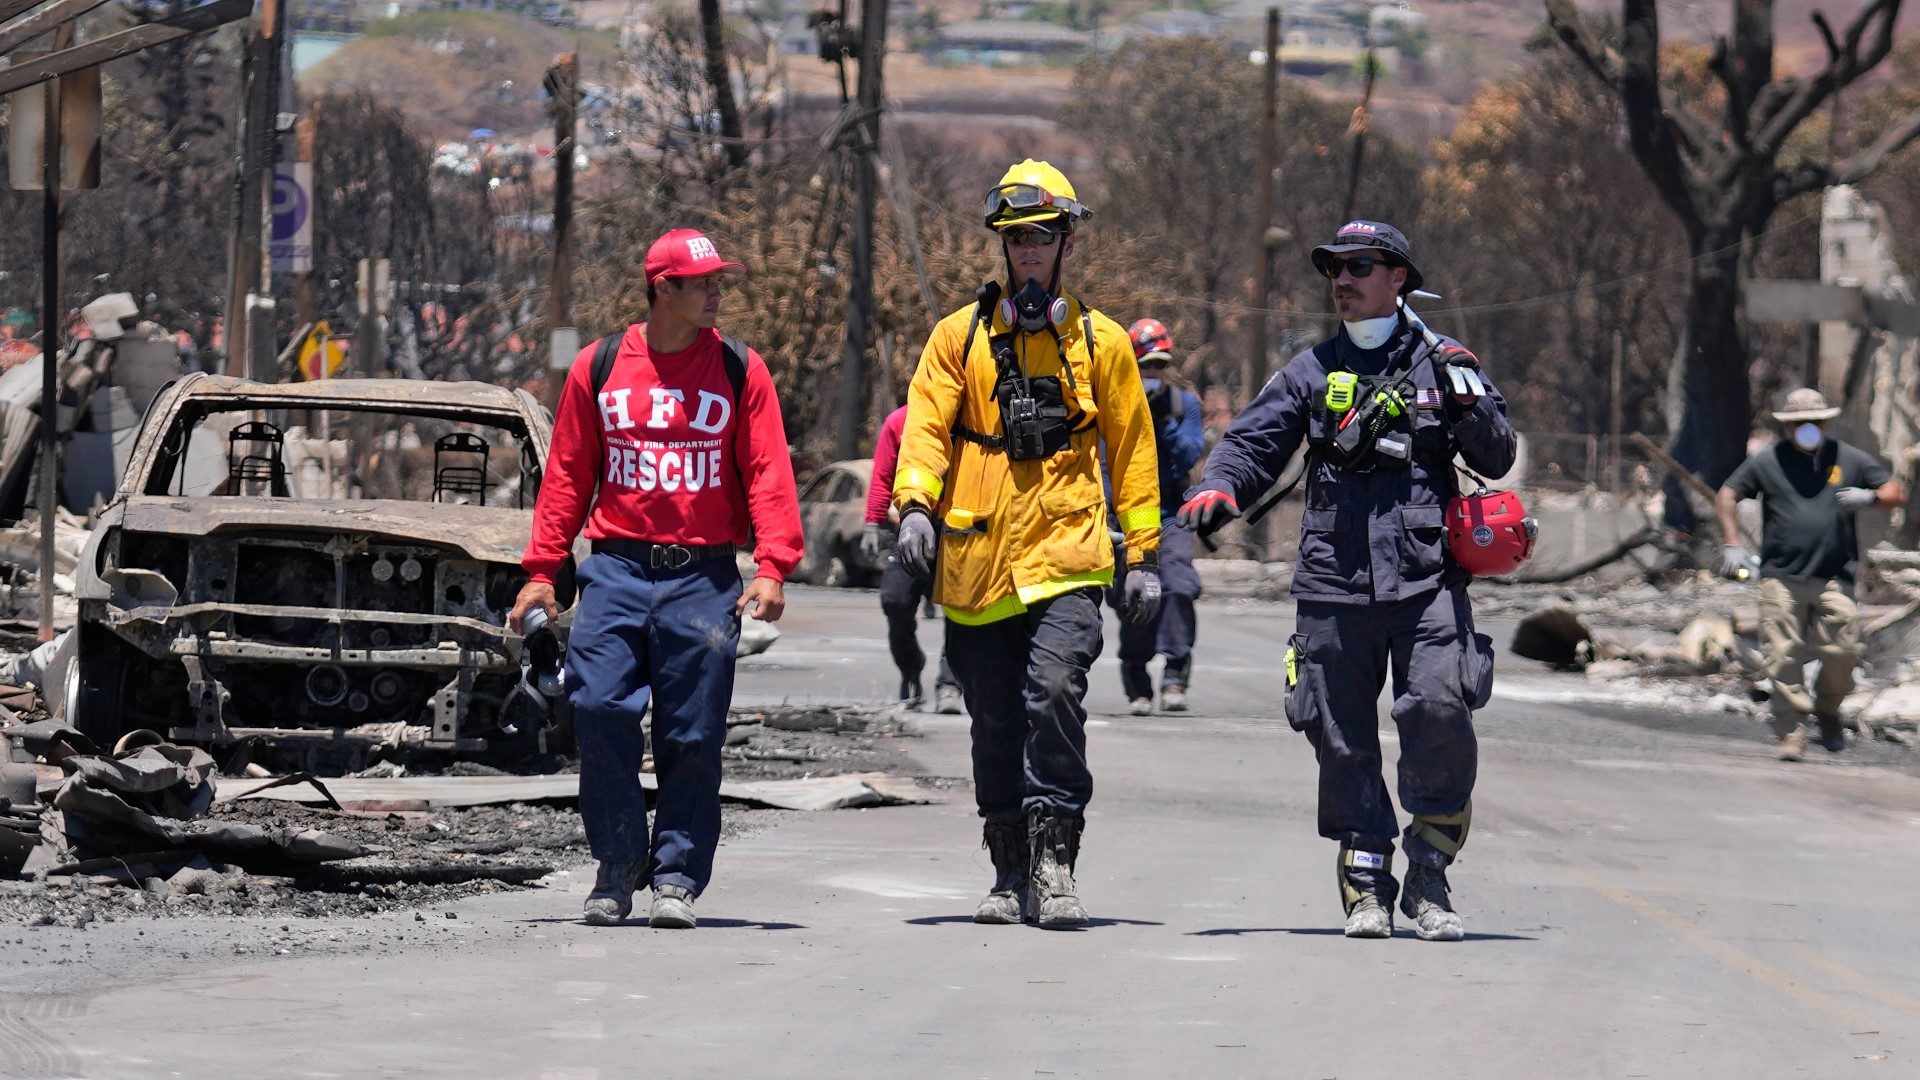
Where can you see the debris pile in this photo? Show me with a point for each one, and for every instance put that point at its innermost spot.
(1680, 646)
(140, 818)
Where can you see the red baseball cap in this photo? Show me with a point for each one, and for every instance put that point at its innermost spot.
(686, 253)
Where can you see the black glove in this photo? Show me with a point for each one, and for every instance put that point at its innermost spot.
(917, 543)
(1207, 512)
(1160, 406)
(1140, 601)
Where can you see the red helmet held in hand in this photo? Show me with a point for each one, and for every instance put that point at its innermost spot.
(1490, 533)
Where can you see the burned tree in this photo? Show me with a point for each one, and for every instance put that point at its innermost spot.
(1723, 176)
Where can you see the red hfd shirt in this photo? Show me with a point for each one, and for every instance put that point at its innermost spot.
(675, 459)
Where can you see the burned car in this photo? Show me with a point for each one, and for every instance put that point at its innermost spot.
(833, 510)
(323, 564)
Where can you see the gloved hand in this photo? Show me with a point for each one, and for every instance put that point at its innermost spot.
(1855, 498)
(1459, 372)
(1207, 512)
(1141, 600)
(917, 543)
(1735, 559)
(872, 543)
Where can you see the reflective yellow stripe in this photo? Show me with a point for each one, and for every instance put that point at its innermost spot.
(1004, 608)
(1140, 517)
(1008, 606)
(921, 479)
(1047, 590)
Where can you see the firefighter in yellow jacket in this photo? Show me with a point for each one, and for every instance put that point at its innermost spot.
(1000, 477)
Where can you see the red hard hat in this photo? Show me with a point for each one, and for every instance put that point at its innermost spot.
(1490, 533)
(1150, 336)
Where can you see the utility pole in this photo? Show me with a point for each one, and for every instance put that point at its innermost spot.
(866, 150)
(1358, 129)
(1613, 413)
(563, 90)
(49, 494)
(1255, 361)
(249, 314)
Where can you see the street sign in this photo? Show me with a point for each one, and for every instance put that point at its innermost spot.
(321, 354)
(292, 242)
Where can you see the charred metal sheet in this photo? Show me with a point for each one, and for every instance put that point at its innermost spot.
(495, 533)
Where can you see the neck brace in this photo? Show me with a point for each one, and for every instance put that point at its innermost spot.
(1372, 333)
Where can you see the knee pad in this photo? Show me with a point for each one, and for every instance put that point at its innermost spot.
(1364, 872)
(1447, 833)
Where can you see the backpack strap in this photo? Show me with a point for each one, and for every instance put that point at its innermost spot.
(734, 354)
(603, 354)
(732, 351)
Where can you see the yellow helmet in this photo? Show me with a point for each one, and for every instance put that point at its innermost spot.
(1033, 192)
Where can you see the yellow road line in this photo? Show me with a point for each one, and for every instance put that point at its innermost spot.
(1733, 956)
(1865, 984)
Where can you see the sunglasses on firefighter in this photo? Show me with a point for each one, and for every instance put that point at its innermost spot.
(1032, 197)
(1359, 266)
(1030, 237)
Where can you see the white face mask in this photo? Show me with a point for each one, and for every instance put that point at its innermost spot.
(1372, 333)
(1152, 384)
(1807, 437)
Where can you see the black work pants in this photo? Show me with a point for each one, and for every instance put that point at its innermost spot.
(1025, 684)
(900, 597)
(1441, 671)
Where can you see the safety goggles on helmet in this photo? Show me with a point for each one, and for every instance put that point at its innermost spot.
(1026, 197)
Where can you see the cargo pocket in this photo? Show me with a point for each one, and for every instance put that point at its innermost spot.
(1423, 542)
(1306, 702)
(1476, 671)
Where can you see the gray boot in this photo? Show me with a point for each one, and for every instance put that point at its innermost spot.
(1366, 892)
(1056, 847)
(1425, 901)
(1006, 843)
(612, 897)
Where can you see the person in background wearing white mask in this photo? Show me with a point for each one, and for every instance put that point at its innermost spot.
(1810, 486)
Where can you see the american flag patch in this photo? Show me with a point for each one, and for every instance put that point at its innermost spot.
(1426, 399)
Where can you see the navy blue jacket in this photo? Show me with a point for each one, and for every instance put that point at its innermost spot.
(1364, 537)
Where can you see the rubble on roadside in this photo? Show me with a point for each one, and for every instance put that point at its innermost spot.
(154, 831)
(1696, 646)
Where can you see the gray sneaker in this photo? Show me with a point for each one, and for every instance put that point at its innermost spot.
(1141, 706)
(946, 699)
(1173, 699)
(612, 897)
(1424, 900)
(1369, 918)
(672, 908)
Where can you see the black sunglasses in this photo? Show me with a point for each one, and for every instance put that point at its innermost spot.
(1030, 238)
(1359, 266)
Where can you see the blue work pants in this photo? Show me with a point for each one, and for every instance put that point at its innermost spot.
(670, 636)
(1171, 634)
(1441, 671)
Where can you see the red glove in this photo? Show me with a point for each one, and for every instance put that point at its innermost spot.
(1207, 512)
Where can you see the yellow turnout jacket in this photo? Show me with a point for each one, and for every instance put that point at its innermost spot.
(1014, 533)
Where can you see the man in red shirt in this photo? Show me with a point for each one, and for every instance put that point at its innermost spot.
(687, 470)
(900, 592)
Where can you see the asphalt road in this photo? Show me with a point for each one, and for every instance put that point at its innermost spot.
(1645, 895)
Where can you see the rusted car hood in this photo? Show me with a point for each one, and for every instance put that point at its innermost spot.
(488, 533)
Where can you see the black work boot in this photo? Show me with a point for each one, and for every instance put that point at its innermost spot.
(1056, 846)
(1832, 736)
(1366, 892)
(1425, 902)
(1006, 843)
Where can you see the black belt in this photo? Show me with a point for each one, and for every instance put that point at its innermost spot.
(662, 556)
(991, 442)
